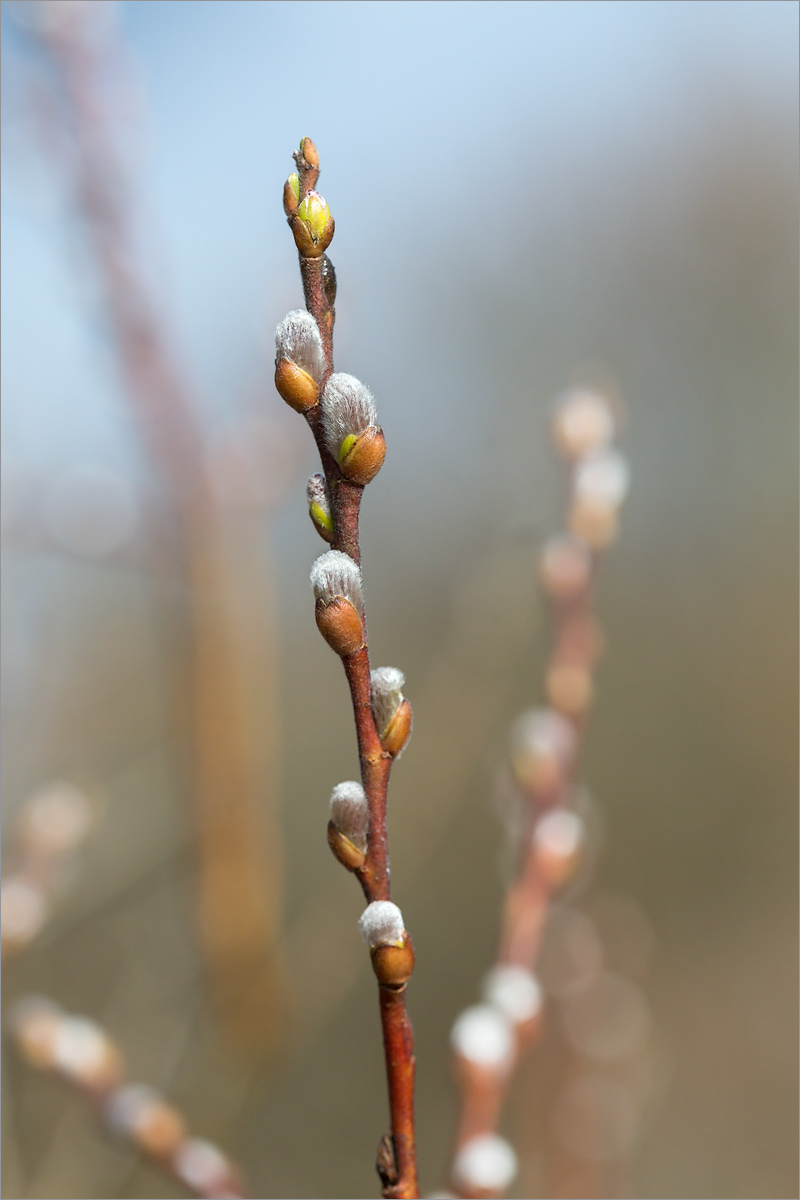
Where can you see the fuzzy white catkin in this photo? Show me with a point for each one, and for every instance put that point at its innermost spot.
(381, 924)
(387, 695)
(347, 407)
(515, 991)
(80, 1047)
(200, 1164)
(583, 421)
(603, 479)
(559, 832)
(486, 1163)
(56, 820)
(350, 812)
(335, 574)
(544, 731)
(483, 1035)
(298, 339)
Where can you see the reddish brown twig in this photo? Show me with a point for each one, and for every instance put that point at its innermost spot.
(397, 1156)
(546, 752)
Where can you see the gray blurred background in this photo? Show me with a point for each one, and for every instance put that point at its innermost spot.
(524, 194)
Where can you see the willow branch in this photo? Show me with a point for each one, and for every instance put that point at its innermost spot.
(489, 1040)
(306, 383)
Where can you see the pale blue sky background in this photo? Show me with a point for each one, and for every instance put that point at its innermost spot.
(603, 89)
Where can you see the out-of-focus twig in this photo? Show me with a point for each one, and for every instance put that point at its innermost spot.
(82, 1054)
(49, 832)
(238, 843)
(341, 414)
(489, 1039)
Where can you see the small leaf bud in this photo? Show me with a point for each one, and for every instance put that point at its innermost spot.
(390, 947)
(558, 839)
(391, 711)
(565, 567)
(582, 423)
(351, 431)
(602, 479)
(299, 360)
(141, 1114)
(336, 581)
(484, 1167)
(349, 824)
(291, 195)
(515, 991)
(309, 152)
(482, 1036)
(319, 507)
(84, 1053)
(543, 744)
(313, 226)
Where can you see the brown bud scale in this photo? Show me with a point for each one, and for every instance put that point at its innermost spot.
(295, 385)
(340, 624)
(393, 964)
(160, 1130)
(290, 200)
(303, 239)
(395, 736)
(347, 853)
(365, 457)
(309, 152)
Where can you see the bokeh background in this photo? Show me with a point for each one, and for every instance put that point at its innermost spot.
(525, 194)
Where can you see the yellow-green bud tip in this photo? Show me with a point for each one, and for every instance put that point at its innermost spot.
(321, 517)
(294, 185)
(347, 446)
(315, 213)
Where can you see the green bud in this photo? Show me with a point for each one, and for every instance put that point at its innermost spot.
(313, 226)
(315, 213)
(321, 518)
(291, 194)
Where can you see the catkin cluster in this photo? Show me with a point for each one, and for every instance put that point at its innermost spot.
(343, 414)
